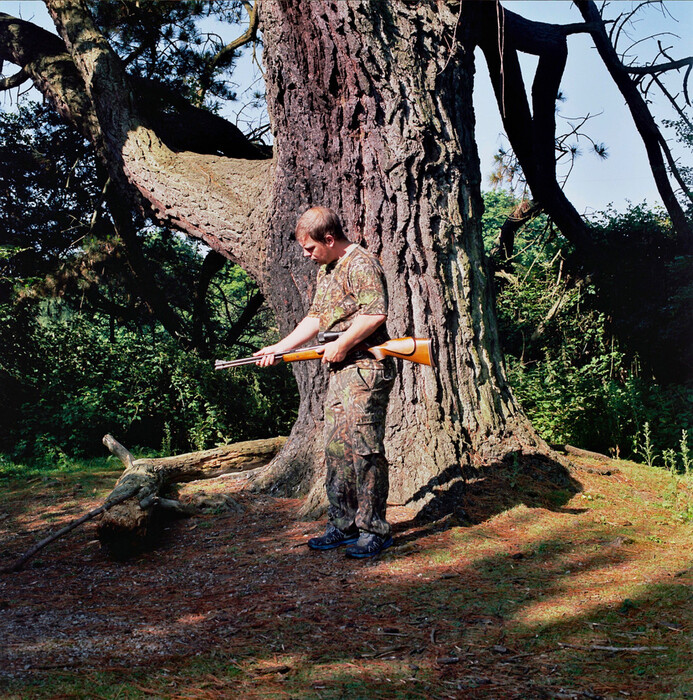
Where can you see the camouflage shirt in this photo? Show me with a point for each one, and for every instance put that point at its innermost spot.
(348, 287)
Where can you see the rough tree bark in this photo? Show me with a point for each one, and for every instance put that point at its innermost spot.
(381, 95)
(371, 106)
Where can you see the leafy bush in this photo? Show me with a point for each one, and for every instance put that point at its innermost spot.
(644, 283)
(577, 382)
(144, 389)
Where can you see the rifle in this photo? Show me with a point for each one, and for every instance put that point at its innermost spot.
(417, 350)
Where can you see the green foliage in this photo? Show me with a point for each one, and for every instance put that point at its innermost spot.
(92, 474)
(536, 235)
(684, 135)
(685, 453)
(48, 192)
(81, 353)
(575, 379)
(163, 40)
(83, 345)
(57, 242)
(141, 387)
(644, 283)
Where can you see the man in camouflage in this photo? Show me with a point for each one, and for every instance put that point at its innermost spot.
(350, 298)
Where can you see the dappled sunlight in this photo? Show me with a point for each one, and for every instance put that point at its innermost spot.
(233, 601)
(591, 584)
(191, 619)
(565, 567)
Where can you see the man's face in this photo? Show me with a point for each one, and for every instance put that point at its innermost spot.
(321, 253)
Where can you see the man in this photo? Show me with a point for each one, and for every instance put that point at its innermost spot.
(350, 298)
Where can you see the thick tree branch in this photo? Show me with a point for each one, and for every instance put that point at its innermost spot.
(191, 128)
(141, 269)
(206, 196)
(43, 57)
(109, 307)
(532, 136)
(128, 528)
(545, 89)
(523, 213)
(249, 312)
(644, 122)
(213, 263)
(13, 81)
(502, 34)
(21, 562)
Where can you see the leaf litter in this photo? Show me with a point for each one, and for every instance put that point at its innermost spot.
(593, 598)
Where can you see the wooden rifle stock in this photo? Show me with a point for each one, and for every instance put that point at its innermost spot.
(314, 353)
(417, 350)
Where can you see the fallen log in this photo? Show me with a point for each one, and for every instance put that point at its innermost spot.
(134, 524)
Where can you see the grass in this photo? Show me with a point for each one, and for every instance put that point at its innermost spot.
(590, 596)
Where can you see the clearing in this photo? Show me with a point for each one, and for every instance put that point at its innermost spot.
(585, 592)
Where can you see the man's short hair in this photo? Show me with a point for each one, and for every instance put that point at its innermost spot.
(318, 222)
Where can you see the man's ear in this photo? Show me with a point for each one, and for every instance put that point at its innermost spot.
(329, 240)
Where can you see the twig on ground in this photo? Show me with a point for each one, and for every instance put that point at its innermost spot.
(19, 564)
(599, 647)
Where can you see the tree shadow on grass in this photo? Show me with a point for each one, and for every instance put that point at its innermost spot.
(236, 609)
(469, 496)
(456, 497)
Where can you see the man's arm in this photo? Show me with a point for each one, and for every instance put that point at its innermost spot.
(362, 327)
(308, 328)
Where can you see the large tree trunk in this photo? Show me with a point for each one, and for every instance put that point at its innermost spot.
(371, 105)
(372, 113)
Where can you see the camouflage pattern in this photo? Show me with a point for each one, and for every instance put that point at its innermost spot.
(357, 479)
(353, 285)
(357, 471)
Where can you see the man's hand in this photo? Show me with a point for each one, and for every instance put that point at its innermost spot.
(361, 327)
(308, 328)
(334, 352)
(266, 356)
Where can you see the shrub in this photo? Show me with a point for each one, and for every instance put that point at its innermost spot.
(145, 390)
(577, 382)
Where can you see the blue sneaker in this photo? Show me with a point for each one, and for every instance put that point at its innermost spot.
(332, 538)
(369, 545)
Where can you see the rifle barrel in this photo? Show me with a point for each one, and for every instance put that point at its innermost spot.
(253, 359)
(225, 364)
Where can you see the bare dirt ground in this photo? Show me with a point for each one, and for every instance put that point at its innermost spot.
(586, 593)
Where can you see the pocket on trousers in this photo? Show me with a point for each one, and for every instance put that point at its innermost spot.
(367, 438)
(368, 377)
(376, 378)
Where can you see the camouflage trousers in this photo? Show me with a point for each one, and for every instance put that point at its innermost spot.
(357, 471)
